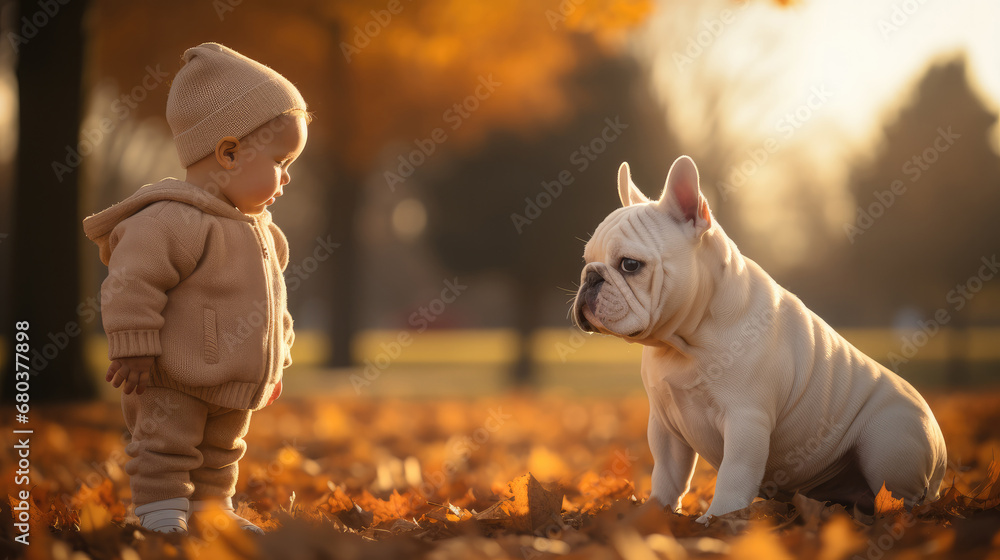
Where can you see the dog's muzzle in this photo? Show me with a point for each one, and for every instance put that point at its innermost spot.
(587, 296)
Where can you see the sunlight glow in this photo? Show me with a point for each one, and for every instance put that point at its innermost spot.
(8, 115)
(817, 80)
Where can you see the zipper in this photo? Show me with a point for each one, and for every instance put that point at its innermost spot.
(267, 282)
(261, 240)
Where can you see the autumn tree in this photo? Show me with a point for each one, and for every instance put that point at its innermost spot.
(378, 73)
(523, 207)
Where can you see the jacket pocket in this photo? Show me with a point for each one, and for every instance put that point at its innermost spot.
(211, 347)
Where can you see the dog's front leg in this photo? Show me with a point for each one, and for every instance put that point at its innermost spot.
(746, 440)
(673, 464)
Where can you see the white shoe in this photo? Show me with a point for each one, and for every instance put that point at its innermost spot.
(165, 516)
(227, 508)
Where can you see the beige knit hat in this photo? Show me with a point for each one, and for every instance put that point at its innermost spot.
(219, 92)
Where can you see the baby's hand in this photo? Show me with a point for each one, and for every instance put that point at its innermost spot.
(133, 371)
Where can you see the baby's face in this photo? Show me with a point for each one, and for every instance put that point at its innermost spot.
(262, 163)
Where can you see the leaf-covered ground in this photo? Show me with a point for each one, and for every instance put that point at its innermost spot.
(440, 479)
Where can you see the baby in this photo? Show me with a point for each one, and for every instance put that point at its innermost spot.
(194, 302)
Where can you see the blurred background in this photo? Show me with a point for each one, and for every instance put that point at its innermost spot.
(463, 152)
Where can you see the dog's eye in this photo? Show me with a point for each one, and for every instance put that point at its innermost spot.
(630, 265)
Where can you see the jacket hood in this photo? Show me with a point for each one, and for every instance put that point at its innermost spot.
(98, 227)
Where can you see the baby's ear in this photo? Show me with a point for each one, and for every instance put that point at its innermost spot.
(225, 151)
(627, 191)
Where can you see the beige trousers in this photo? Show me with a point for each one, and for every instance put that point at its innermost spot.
(182, 447)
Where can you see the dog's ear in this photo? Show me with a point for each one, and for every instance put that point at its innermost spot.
(682, 197)
(627, 191)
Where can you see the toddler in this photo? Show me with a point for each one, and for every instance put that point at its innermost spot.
(194, 303)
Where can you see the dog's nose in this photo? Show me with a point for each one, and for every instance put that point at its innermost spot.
(593, 279)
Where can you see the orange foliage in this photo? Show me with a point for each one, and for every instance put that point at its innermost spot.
(425, 479)
(886, 505)
(382, 71)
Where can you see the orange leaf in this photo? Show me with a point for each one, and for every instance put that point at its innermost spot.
(886, 505)
(948, 504)
(532, 506)
(598, 491)
(339, 501)
(987, 495)
(396, 507)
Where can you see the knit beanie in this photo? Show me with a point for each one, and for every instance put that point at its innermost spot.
(219, 92)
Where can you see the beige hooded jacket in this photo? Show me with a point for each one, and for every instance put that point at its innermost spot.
(197, 284)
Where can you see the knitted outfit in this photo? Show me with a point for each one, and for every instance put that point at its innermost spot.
(220, 92)
(193, 454)
(197, 284)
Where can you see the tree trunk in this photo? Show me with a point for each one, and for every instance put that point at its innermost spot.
(523, 372)
(342, 205)
(47, 229)
(345, 292)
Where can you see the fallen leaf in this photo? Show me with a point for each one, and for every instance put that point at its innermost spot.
(949, 504)
(397, 506)
(466, 508)
(338, 500)
(987, 496)
(598, 490)
(529, 507)
(886, 505)
(810, 511)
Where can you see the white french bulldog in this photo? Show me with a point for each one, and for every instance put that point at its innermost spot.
(740, 372)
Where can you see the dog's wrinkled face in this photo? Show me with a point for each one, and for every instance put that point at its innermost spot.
(640, 263)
